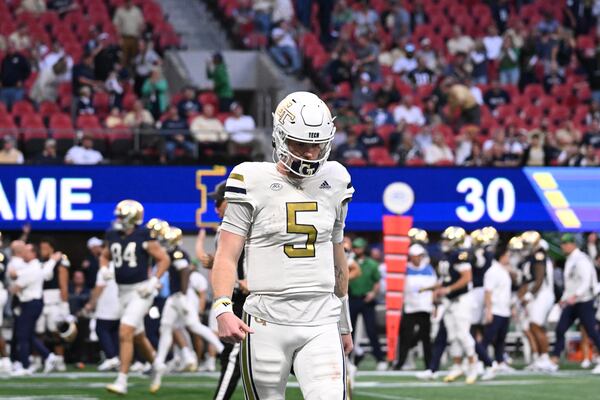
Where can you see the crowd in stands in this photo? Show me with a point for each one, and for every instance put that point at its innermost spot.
(82, 82)
(440, 82)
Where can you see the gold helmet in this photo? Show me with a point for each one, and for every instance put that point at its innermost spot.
(531, 240)
(453, 237)
(67, 330)
(157, 227)
(484, 237)
(173, 236)
(515, 244)
(417, 235)
(128, 213)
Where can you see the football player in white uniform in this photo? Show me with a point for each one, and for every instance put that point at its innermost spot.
(290, 216)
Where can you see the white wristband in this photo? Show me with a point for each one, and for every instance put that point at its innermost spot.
(222, 305)
(345, 322)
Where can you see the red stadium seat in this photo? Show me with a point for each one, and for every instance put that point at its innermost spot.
(22, 107)
(88, 122)
(209, 98)
(47, 108)
(380, 156)
(534, 91)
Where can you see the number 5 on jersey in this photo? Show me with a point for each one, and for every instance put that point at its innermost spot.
(294, 227)
(119, 255)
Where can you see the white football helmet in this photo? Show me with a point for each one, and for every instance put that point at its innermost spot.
(303, 117)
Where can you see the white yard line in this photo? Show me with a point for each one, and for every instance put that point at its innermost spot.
(382, 396)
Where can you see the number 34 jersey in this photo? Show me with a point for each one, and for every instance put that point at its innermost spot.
(289, 249)
(129, 255)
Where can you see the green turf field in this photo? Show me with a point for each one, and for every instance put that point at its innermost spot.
(571, 384)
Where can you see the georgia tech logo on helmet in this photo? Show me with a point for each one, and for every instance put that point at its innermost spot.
(283, 112)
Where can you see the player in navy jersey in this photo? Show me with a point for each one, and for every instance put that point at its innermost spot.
(177, 308)
(130, 246)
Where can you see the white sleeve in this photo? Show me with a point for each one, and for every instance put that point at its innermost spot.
(238, 218)
(100, 282)
(586, 269)
(489, 279)
(337, 236)
(462, 267)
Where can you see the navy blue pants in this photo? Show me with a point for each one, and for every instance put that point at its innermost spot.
(585, 313)
(439, 345)
(108, 336)
(25, 331)
(358, 306)
(494, 334)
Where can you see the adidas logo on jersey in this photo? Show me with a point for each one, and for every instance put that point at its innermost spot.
(325, 185)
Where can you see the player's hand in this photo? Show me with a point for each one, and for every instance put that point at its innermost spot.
(107, 273)
(231, 328)
(149, 287)
(369, 297)
(347, 343)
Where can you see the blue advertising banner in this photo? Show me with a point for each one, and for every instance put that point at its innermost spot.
(83, 198)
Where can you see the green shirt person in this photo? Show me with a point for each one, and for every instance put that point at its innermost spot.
(216, 70)
(367, 284)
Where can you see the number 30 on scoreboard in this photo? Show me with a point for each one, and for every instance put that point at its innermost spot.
(497, 199)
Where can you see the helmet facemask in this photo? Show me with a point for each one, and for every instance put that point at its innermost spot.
(297, 165)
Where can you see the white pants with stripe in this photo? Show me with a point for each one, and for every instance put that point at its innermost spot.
(315, 353)
(457, 319)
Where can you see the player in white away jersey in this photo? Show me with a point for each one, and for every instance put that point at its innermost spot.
(290, 218)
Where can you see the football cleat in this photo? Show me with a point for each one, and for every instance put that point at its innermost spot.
(109, 364)
(426, 375)
(454, 373)
(157, 373)
(117, 388)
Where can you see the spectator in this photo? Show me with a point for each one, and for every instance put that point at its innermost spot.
(398, 20)
(463, 106)
(340, 68)
(284, 49)
(365, 18)
(189, 105)
(20, 38)
(363, 93)
(45, 87)
(380, 115)
(388, 92)
(475, 91)
(369, 137)
(175, 129)
(458, 68)
(438, 151)
(206, 128)
(475, 159)
(155, 93)
(85, 153)
(32, 6)
(114, 118)
(240, 127)
(139, 117)
(407, 64)
(497, 156)
(129, 22)
(351, 150)
(421, 75)
(262, 15)
(283, 10)
(403, 148)
(428, 54)
(464, 143)
(419, 14)
(61, 6)
(84, 102)
(479, 64)
(363, 292)
(501, 12)
(79, 293)
(537, 154)
(496, 96)
(48, 155)
(146, 60)
(342, 15)
(83, 75)
(548, 24)
(14, 73)
(106, 56)
(55, 53)
(562, 53)
(509, 62)
(114, 86)
(216, 70)
(9, 154)
(460, 43)
(430, 112)
(90, 264)
(493, 43)
(367, 54)
(592, 136)
(553, 78)
(408, 112)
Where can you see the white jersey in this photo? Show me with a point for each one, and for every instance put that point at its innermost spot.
(196, 285)
(289, 249)
(107, 305)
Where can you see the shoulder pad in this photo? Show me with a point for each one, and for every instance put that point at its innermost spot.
(539, 256)
(342, 180)
(177, 255)
(463, 256)
(65, 262)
